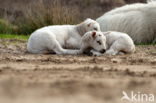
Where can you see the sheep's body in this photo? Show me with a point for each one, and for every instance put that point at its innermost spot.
(54, 39)
(117, 43)
(60, 39)
(137, 20)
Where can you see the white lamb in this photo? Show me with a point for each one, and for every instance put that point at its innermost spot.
(138, 20)
(117, 43)
(93, 40)
(63, 39)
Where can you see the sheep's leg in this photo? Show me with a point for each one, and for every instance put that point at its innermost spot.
(111, 51)
(121, 53)
(72, 52)
(56, 47)
(114, 48)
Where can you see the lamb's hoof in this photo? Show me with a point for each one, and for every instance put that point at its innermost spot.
(121, 53)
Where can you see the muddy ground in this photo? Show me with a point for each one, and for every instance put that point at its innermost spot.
(28, 78)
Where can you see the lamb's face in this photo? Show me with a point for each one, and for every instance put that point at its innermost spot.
(92, 25)
(99, 42)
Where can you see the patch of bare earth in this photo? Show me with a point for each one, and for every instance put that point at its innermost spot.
(29, 78)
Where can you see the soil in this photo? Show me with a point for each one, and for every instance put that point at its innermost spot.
(47, 78)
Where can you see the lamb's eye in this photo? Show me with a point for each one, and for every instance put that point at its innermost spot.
(99, 42)
(95, 29)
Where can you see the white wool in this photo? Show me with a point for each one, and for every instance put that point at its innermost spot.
(117, 43)
(60, 39)
(151, 1)
(95, 40)
(138, 20)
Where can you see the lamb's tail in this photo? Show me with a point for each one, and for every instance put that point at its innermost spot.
(151, 1)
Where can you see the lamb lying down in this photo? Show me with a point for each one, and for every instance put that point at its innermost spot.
(117, 43)
(93, 40)
(60, 39)
(90, 40)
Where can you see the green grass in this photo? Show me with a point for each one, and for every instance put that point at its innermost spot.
(14, 36)
(153, 43)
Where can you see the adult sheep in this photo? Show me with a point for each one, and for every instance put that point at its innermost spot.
(138, 20)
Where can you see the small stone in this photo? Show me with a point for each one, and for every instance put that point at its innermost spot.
(116, 60)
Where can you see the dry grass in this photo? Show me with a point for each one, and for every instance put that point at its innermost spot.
(27, 15)
(40, 14)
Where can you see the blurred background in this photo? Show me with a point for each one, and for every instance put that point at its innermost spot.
(25, 16)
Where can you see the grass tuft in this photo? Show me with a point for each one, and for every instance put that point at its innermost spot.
(53, 13)
(14, 36)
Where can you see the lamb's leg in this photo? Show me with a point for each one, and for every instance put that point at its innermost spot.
(111, 51)
(59, 50)
(121, 53)
(114, 48)
(72, 52)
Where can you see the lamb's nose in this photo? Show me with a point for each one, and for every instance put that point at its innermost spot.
(103, 51)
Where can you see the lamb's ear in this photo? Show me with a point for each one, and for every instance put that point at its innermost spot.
(89, 24)
(93, 34)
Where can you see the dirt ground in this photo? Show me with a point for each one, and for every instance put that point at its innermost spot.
(28, 78)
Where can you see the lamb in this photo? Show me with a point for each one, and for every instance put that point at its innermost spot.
(93, 40)
(117, 43)
(64, 39)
